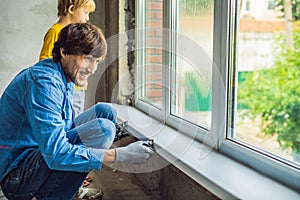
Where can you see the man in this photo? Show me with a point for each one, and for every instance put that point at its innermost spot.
(46, 153)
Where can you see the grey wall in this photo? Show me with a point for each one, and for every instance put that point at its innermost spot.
(170, 183)
(97, 18)
(23, 24)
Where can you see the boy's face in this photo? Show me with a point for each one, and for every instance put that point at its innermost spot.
(78, 68)
(80, 15)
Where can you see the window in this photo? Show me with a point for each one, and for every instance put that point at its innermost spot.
(247, 5)
(264, 101)
(192, 79)
(174, 81)
(222, 79)
(151, 82)
(271, 4)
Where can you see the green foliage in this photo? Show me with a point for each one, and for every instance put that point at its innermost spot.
(194, 7)
(295, 8)
(274, 94)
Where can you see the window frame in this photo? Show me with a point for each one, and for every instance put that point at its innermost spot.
(224, 51)
(265, 163)
(192, 130)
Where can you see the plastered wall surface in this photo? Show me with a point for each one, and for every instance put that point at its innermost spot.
(170, 183)
(23, 24)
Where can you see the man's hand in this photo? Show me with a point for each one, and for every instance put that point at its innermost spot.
(137, 152)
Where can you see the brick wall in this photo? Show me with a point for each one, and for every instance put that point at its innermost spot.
(154, 59)
(250, 25)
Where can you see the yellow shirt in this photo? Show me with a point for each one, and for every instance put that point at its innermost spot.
(49, 40)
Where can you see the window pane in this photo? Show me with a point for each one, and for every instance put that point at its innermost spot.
(193, 77)
(271, 4)
(152, 62)
(268, 97)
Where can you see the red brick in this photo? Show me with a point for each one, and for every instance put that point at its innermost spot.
(154, 59)
(250, 25)
(154, 93)
(155, 77)
(156, 33)
(157, 86)
(154, 52)
(154, 68)
(157, 51)
(154, 15)
(154, 5)
(153, 41)
(153, 24)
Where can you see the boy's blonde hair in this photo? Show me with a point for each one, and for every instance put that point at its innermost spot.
(63, 6)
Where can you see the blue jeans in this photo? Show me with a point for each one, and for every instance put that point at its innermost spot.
(32, 178)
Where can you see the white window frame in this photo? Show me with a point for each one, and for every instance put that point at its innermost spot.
(223, 55)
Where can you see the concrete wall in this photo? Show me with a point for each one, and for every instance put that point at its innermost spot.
(97, 18)
(165, 182)
(23, 24)
(171, 183)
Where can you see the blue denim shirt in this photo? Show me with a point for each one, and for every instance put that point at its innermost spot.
(36, 111)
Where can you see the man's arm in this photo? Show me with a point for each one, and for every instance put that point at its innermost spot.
(136, 152)
(109, 156)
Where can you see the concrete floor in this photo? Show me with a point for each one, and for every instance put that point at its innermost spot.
(115, 185)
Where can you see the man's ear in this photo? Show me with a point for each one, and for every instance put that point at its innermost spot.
(62, 52)
(71, 9)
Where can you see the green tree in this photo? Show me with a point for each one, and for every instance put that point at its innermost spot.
(274, 94)
(194, 7)
(295, 8)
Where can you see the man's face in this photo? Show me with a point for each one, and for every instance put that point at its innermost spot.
(78, 68)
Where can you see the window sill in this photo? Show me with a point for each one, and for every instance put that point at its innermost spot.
(224, 177)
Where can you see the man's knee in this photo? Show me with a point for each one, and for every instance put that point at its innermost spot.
(105, 110)
(109, 130)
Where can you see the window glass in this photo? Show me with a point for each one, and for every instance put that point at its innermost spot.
(271, 4)
(267, 110)
(151, 86)
(247, 3)
(192, 79)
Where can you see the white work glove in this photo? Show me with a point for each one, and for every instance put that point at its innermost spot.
(137, 152)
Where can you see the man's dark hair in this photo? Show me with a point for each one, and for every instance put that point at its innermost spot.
(80, 38)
